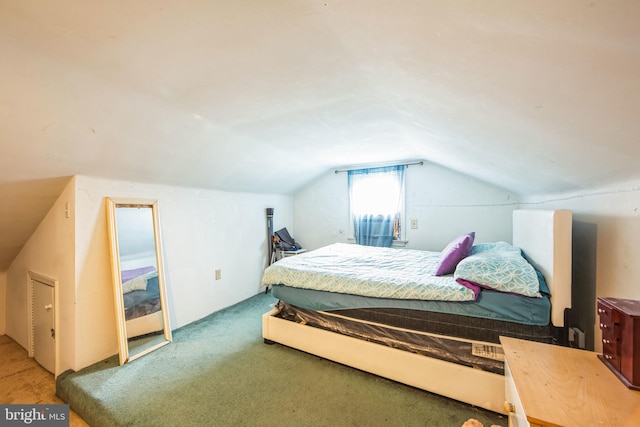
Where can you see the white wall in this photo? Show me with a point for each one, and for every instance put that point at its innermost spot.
(615, 212)
(3, 302)
(445, 203)
(202, 230)
(48, 252)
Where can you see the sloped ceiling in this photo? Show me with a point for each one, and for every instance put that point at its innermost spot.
(264, 96)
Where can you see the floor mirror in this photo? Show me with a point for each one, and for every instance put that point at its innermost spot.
(139, 285)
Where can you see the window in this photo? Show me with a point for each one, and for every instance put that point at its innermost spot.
(376, 200)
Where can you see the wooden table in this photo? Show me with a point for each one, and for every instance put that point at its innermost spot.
(550, 385)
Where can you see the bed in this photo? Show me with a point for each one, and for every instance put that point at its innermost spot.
(141, 296)
(417, 337)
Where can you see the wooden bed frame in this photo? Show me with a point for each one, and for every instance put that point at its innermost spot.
(545, 238)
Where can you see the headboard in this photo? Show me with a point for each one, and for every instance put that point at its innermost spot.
(545, 239)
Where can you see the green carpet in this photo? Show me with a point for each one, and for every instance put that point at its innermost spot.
(218, 372)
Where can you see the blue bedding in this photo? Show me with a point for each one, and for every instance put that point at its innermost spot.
(489, 305)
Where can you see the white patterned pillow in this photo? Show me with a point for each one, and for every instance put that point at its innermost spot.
(494, 247)
(501, 268)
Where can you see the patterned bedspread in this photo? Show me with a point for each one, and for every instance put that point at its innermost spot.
(368, 271)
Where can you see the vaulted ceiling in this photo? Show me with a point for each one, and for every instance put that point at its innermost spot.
(264, 96)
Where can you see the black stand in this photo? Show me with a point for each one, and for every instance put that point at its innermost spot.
(270, 249)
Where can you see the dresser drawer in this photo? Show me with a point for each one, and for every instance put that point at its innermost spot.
(513, 404)
(611, 334)
(610, 345)
(608, 315)
(612, 358)
(620, 326)
(610, 331)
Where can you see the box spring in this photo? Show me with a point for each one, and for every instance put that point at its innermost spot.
(467, 341)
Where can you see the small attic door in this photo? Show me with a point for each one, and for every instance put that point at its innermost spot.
(42, 316)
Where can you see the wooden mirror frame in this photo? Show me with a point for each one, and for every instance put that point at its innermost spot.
(112, 205)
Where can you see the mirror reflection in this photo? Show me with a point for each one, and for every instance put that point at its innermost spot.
(141, 310)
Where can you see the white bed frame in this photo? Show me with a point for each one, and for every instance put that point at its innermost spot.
(545, 238)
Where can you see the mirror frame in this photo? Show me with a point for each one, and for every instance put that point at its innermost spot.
(112, 204)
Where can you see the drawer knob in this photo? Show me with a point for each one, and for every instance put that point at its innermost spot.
(608, 356)
(600, 310)
(606, 341)
(603, 326)
(509, 407)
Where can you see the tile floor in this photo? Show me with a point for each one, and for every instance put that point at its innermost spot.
(23, 380)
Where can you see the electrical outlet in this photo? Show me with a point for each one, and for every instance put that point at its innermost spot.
(218, 274)
(414, 223)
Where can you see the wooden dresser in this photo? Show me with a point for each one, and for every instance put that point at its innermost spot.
(620, 326)
(550, 385)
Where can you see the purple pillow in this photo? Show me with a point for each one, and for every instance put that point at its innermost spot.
(457, 250)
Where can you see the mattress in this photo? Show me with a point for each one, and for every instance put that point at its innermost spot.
(370, 272)
(495, 314)
(490, 305)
